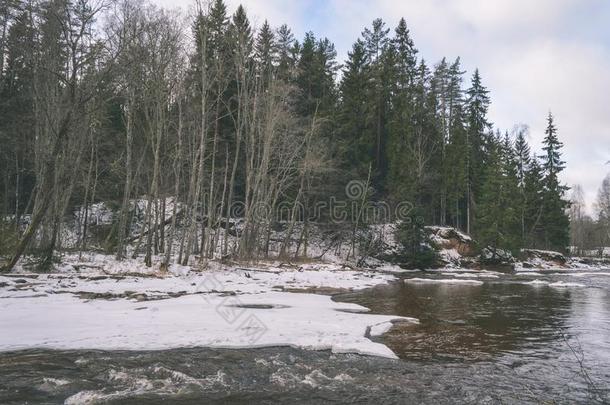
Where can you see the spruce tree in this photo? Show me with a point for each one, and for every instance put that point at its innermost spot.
(498, 225)
(489, 223)
(427, 145)
(381, 65)
(511, 198)
(401, 154)
(307, 77)
(265, 53)
(555, 220)
(17, 125)
(522, 155)
(477, 105)
(455, 150)
(286, 61)
(523, 160)
(325, 69)
(241, 31)
(219, 60)
(455, 168)
(406, 56)
(533, 191)
(8, 12)
(217, 23)
(315, 79)
(356, 137)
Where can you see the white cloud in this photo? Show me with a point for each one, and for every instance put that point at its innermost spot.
(513, 15)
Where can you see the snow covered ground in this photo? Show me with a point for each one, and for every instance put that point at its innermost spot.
(97, 304)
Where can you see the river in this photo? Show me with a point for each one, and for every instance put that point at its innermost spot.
(541, 337)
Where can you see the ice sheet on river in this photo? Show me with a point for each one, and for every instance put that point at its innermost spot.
(231, 309)
(309, 321)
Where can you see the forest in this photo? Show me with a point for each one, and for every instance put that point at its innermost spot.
(206, 118)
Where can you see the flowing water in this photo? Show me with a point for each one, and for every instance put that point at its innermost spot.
(537, 338)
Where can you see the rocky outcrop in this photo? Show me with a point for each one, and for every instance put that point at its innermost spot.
(448, 238)
(535, 257)
(454, 248)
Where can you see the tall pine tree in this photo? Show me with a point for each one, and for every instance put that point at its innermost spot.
(555, 220)
(523, 161)
(477, 128)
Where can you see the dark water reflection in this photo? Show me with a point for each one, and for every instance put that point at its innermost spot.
(555, 322)
(470, 322)
(504, 341)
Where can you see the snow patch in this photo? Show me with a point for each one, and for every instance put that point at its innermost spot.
(380, 328)
(556, 284)
(537, 282)
(442, 281)
(528, 273)
(563, 284)
(589, 274)
(482, 274)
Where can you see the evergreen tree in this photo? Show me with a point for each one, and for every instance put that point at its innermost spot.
(326, 69)
(380, 59)
(8, 12)
(489, 223)
(427, 145)
(477, 126)
(455, 149)
(554, 219)
(522, 155)
(16, 109)
(455, 168)
(510, 190)
(241, 31)
(217, 23)
(306, 75)
(401, 131)
(375, 40)
(285, 49)
(533, 191)
(219, 60)
(523, 161)
(356, 137)
(406, 56)
(454, 94)
(265, 53)
(315, 78)
(497, 225)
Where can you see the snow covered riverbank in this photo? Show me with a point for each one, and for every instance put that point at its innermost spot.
(224, 307)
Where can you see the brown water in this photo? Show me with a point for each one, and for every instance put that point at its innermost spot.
(504, 341)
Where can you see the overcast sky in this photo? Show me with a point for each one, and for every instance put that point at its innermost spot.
(533, 55)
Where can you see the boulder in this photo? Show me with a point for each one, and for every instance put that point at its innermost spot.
(496, 256)
(535, 255)
(496, 259)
